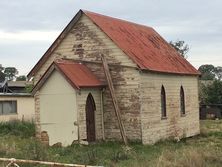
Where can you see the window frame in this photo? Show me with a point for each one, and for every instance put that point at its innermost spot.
(182, 102)
(2, 113)
(163, 103)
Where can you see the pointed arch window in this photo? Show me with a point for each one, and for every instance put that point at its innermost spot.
(163, 102)
(182, 101)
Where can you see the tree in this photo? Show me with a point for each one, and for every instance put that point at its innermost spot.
(21, 78)
(207, 72)
(218, 72)
(180, 47)
(2, 75)
(212, 93)
(10, 72)
(29, 88)
(1, 68)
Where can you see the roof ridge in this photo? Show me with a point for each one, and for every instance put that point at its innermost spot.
(118, 19)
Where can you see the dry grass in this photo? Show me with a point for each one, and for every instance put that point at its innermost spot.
(204, 150)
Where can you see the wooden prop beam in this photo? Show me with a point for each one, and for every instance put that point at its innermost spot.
(114, 99)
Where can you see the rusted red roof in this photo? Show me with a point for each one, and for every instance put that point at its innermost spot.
(143, 45)
(78, 74)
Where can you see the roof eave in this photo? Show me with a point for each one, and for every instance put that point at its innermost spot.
(42, 80)
(93, 86)
(167, 72)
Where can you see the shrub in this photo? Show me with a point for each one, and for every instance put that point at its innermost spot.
(17, 128)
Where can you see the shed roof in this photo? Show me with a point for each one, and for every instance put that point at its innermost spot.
(141, 43)
(77, 74)
(17, 83)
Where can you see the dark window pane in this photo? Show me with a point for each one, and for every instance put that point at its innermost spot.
(8, 107)
(182, 101)
(163, 102)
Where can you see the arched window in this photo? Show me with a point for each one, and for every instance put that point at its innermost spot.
(182, 101)
(163, 102)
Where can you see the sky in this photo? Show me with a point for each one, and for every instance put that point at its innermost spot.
(29, 27)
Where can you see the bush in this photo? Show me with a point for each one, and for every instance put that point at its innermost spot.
(17, 128)
(212, 93)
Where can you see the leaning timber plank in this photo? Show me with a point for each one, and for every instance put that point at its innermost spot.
(22, 161)
(114, 99)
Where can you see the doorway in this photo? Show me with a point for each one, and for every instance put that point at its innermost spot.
(90, 118)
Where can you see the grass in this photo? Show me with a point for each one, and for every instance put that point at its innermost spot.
(17, 128)
(199, 151)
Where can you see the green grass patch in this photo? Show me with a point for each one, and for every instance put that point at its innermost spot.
(199, 151)
(17, 128)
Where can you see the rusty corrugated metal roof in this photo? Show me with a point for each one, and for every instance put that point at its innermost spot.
(143, 45)
(78, 74)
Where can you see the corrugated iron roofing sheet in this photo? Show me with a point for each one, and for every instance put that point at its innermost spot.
(143, 45)
(17, 83)
(78, 74)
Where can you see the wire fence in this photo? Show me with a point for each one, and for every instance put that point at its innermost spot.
(16, 162)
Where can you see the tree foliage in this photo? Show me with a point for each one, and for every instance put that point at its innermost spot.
(218, 72)
(212, 93)
(211, 87)
(2, 75)
(181, 47)
(207, 72)
(21, 78)
(210, 72)
(1, 68)
(10, 72)
(29, 88)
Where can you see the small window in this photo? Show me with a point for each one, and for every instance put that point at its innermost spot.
(8, 107)
(182, 101)
(163, 102)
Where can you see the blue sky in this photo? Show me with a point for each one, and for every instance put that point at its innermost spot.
(28, 27)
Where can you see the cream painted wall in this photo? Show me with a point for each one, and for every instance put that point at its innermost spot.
(25, 108)
(58, 110)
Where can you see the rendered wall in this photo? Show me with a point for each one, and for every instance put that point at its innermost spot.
(57, 101)
(61, 112)
(25, 108)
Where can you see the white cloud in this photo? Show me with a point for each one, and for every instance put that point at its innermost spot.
(30, 26)
(28, 36)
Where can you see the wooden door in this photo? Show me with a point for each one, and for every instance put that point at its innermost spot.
(90, 118)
